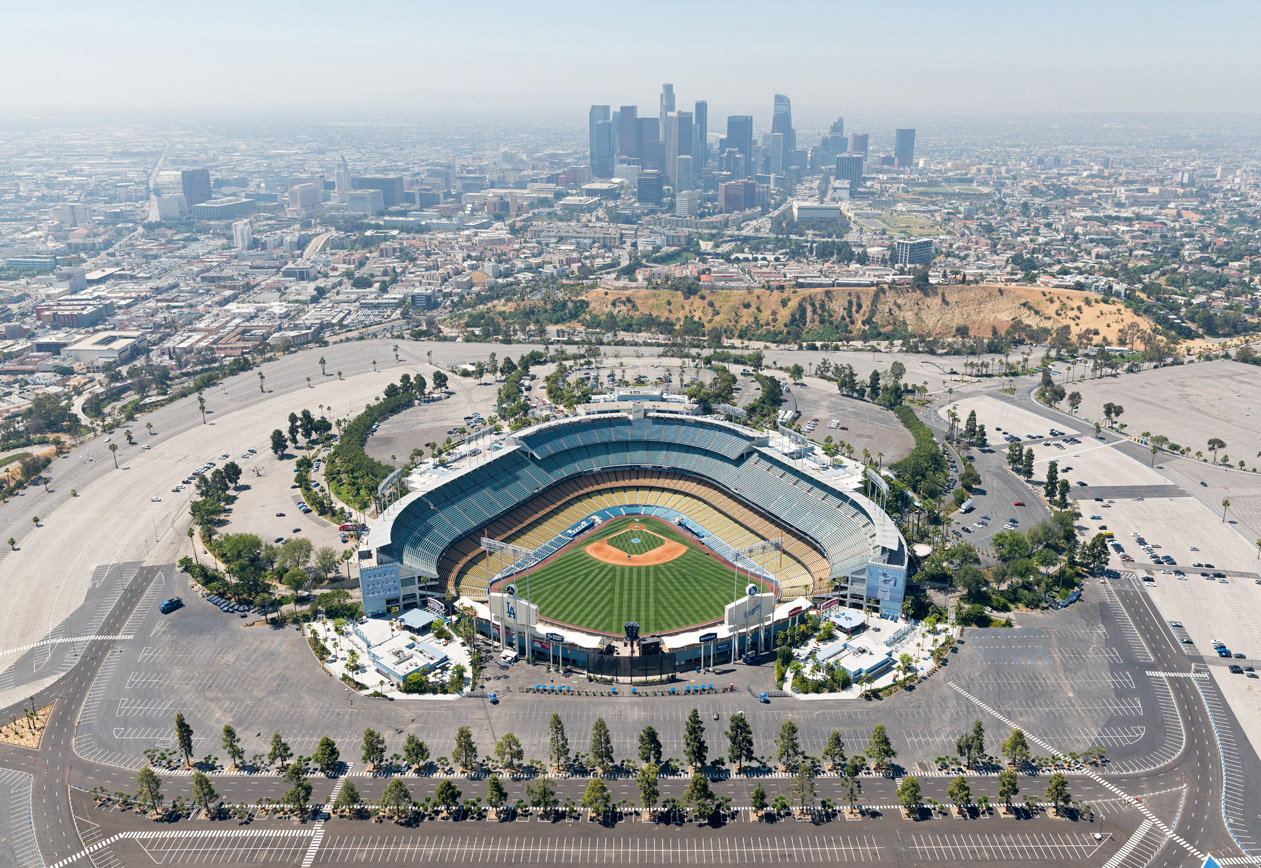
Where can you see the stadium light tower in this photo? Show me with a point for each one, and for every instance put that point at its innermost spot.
(495, 547)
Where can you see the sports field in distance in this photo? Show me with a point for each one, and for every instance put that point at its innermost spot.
(589, 587)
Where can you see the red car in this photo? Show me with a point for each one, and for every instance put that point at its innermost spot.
(1017, 503)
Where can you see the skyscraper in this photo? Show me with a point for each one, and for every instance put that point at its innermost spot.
(648, 187)
(777, 154)
(651, 152)
(700, 119)
(678, 141)
(600, 141)
(904, 147)
(667, 103)
(837, 130)
(342, 178)
(683, 172)
(849, 167)
(628, 131)
(195, 184)
(740, 137)
(782, 122)
(858, 143)
(391, 187)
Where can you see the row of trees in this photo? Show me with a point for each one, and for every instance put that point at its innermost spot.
(541, 794)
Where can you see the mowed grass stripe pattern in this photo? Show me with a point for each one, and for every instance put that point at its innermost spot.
(579, 590)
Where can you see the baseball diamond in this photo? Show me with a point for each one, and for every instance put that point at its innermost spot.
(666, 582)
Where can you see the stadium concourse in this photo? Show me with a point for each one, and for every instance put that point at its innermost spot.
(769, 507)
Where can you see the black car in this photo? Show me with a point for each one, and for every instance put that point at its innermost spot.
(1239, 656)
(1219, 575)
(1235, 669)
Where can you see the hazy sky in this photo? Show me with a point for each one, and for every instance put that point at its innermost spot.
(911, 57)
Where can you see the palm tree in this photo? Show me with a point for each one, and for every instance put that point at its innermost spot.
(396, 352)
(13, 544)
(149, 427)
(322, 363)
(1214, 444)
(190, 535)
(260, 382)
(374, 364)
(339, 375)
(113, 448)
(201, 405)
(35, 519)
(308, 382)
(1225, 506)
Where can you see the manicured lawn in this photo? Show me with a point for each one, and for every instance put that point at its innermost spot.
(577, 589)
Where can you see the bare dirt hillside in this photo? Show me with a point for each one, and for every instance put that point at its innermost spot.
(938, 312)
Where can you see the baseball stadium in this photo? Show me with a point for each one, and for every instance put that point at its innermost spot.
(657, 517)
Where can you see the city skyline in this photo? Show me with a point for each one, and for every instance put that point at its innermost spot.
(974, 57)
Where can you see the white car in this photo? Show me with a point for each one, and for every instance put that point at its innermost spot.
(155, 500)
(146, 446)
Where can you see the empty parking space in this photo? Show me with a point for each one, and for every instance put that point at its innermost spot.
(965, 848)
(724, 849)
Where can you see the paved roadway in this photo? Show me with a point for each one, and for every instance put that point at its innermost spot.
(52, 764)
(1199, 765)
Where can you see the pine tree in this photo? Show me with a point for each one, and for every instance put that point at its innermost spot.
(739, 741)
(650, 746)
(184, 738)
(557, 743)
(695, 750)
(601, 745)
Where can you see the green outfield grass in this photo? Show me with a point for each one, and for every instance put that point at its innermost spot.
(577, 589)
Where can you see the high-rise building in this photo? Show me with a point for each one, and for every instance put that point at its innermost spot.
(777, 154)
(667, 103)
(736, 196)
(837, 130)
(782, 122)
(858, 143)
(195, 184)
(651, 151)
(600, 141)
(649, 187)
(242, 235)
(678, 141)
(391, 187)
(849, 167)
(740, 137)
(916, 252)
(684, 175)
(304, 197)
(342, 178)
(366, 201)
(686, 203)
(628, 132)
(700, 123)
(904, 147)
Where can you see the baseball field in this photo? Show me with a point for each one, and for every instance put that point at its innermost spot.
(632, 569)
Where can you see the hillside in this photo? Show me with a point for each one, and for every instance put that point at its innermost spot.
(829, 314)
